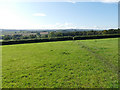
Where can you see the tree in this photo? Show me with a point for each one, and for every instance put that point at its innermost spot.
(51, 34)
(59, 34)
(32, 36)
(6, 37)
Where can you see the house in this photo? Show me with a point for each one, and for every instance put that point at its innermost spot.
(43, 33)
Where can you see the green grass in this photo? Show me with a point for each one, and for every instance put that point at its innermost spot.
(64, 64)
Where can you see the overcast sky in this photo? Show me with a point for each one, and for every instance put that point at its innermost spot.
(37, 14)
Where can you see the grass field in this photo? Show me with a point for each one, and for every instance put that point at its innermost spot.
(63, 64)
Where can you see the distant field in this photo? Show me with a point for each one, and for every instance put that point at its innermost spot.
(63, 64)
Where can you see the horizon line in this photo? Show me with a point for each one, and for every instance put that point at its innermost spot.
(61, 29)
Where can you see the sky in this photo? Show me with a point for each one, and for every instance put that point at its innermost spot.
(59, 15)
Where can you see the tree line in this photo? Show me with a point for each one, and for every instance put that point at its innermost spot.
(56, 34)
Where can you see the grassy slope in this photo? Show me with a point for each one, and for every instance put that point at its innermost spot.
(85, 63)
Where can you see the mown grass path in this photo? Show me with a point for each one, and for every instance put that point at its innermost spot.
(103, 59)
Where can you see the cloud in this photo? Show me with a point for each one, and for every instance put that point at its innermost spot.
(39, 14)
(65, 25)
(109, 1)
(72, 1)
(68, 25)
(104, 1)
